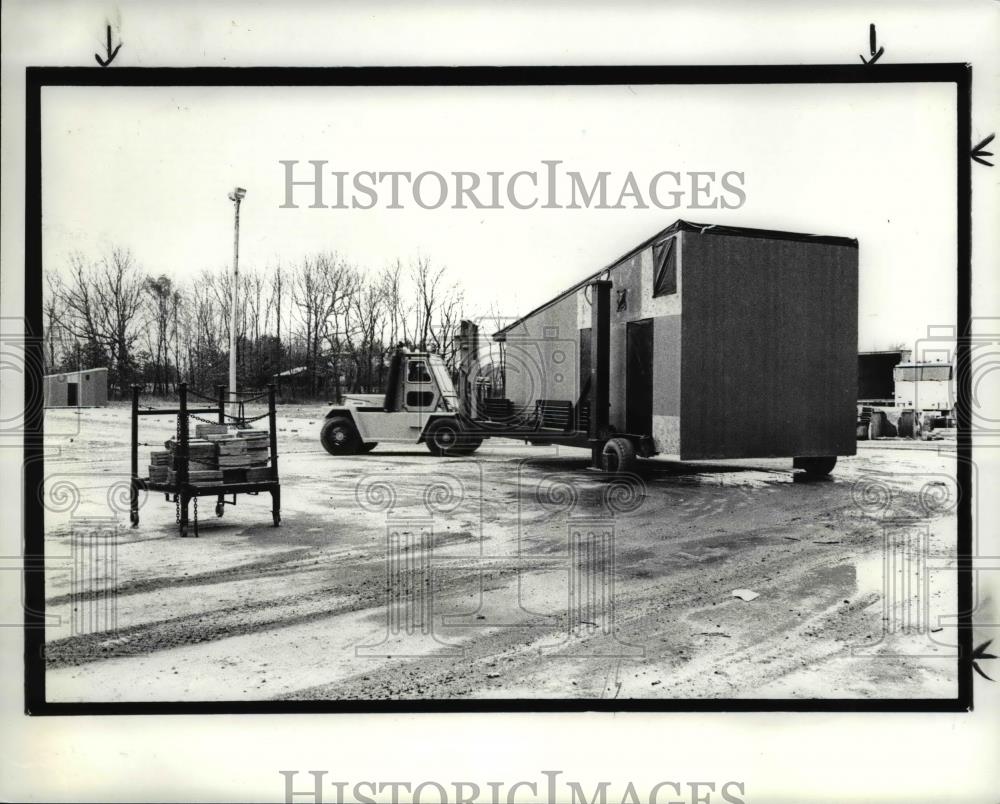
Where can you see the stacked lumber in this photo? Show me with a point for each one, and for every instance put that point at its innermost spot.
(198, 477)
(258, 449)
(201, 456)
(259, 474)
(205, 430)
(217, 454)
(203, 462)
(232, 452)
(160, 463)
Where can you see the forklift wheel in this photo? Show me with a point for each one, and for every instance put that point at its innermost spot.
(618, 456)
(470, 445)
(818, 467)
(339, 436)
(444, 437)
(220, 509)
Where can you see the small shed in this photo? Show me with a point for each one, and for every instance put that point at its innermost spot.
(724, 342)
(85, 388)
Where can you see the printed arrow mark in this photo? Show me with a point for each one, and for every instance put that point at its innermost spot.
(876, 52)
(978, 153)
(980, 653)
(111, 53)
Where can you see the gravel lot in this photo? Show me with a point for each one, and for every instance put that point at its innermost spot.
(544, 579)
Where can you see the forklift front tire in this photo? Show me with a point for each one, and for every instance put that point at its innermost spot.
(339, 436)
(618, 456)
(468, 445)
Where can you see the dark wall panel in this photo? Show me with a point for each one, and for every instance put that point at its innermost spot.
(667, 365)
(769, 333)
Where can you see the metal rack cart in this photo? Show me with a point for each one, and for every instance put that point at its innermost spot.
(182, 491)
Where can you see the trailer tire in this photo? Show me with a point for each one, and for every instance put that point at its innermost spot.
(618, 456)
(816, 467)
(339, 436)
(444, 437)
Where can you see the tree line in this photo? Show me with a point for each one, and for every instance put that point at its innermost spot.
(329, 323)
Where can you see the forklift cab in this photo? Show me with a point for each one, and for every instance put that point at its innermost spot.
(419, 382)
(420, 406)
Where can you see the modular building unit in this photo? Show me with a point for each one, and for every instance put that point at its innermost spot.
(724, 343)
(86, 388)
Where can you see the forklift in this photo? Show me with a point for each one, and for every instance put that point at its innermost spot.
(420, 406)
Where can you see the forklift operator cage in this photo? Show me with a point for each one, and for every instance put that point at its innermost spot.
(724, 343)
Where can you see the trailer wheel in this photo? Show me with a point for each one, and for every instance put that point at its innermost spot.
(818, 467)
(339, 436)
(444, 437)
(618, 456)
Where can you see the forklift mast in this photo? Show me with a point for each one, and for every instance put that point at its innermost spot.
(468, 368)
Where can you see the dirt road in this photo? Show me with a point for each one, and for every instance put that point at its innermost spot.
(514, 573)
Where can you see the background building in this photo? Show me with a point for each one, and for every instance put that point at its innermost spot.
(876, 382)
(85, 388)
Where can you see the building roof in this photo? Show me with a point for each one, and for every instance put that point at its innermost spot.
(292, 372)
(76, 371)
(686, 226)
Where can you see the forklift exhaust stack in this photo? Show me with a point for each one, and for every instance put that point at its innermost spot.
(468, 368)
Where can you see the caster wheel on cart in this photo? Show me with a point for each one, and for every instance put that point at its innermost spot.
(220, 509)
(184, 531)
(277, 519)
(133, 517)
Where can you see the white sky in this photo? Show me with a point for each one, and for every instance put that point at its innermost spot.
(149, 168)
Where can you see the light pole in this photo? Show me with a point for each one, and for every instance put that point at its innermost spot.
(236, 196)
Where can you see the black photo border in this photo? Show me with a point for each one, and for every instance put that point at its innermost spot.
(33, 475)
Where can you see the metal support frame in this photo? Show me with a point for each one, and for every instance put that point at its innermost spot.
(182, 490)
(600, 372)
(273, 430)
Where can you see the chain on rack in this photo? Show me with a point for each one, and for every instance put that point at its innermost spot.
(194, 393)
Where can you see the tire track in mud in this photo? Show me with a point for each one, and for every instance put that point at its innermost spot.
(675, 647)
(279, 564)
(358, 586)
(507, 654)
